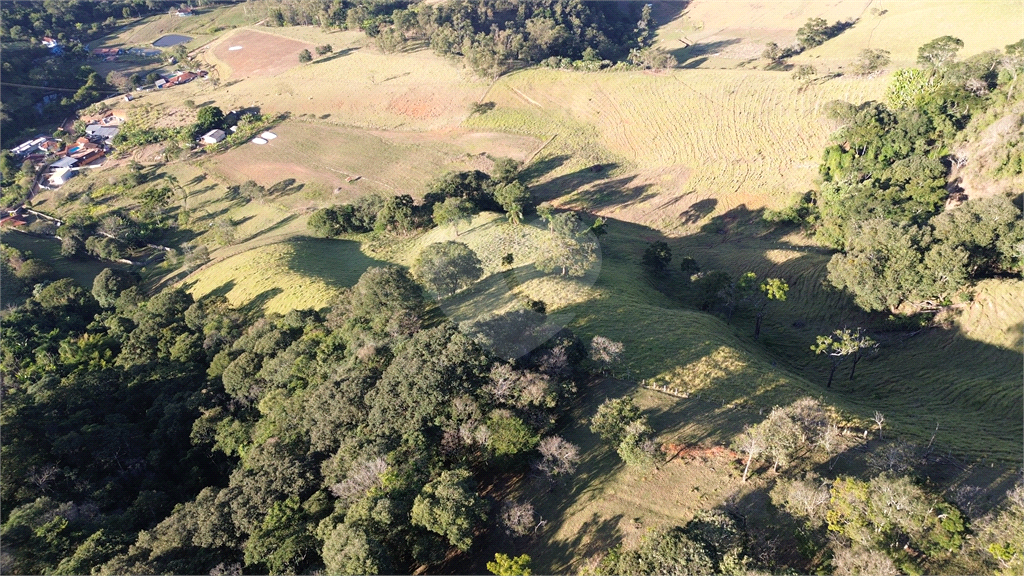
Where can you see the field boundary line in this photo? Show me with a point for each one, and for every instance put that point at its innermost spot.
(538, 151)
(527, 98)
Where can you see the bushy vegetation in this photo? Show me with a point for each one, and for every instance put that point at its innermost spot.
(882, 199)
(350, 440)
(493, 37)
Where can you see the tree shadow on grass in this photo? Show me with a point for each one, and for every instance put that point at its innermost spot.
(540, 168)
(699, 51)
(256, 307)
(335, 55)
(339, 263)
(275, 227)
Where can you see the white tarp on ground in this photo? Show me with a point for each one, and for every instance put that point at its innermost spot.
(268, 135)
(235, 48)
(258, 140)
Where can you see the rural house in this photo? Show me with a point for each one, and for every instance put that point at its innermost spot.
(213, 136)
(60, 176)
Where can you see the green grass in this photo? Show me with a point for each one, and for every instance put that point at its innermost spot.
(301, 272)
(81, 271)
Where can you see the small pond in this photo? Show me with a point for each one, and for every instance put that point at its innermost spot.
(171, 40)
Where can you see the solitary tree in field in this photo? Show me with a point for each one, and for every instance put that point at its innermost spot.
(813, 33)
(771, 290)
(453, 211)
(939, 51)
(839, 345)
(305, 56)
(871, 61)
(325, 49)
(571, 257)
(448, 266)
(657, 257)
(558, 457)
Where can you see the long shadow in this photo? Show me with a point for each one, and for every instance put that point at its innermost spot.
(700, 50)
(917, 377)
(277, 226)
(335, 55)
(542, 167)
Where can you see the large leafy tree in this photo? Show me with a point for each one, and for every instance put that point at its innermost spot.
(450, 507)
(447, 267)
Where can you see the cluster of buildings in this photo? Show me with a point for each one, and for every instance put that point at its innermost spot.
(87, 149)
(179, 78)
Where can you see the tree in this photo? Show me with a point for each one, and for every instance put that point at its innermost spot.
(871, 61)
(637, 449)
(325, 49)
(657, 257)
(250, 190)
(782, 437)
(670, 551)
(453, 211)
(109, 284)
(506, 171)
(518, 517)
(305, 56)
(208, 118)
(939, 51)
(612, 418)
(881, 266)
(503, 565)
(558, 457)
(804, 72)
(605, 352)
(773, 289)
(449, 506)
(772, 52)
(514, 198)
(813, 33)
(572, 257)
(840, 344)
(447, 267)
(752, 443)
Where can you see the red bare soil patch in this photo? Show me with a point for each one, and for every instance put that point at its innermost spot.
(261, 54)
(699, 452)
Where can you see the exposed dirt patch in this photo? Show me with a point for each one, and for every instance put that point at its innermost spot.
(258, 54)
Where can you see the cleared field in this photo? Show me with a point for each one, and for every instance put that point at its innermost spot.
(202, 27)
(733, 34)
(298, 273)
(678, 147)
(353, 162)
(357, 86)
(253, 54)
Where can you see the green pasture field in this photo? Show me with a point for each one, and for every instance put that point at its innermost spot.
(81, 271)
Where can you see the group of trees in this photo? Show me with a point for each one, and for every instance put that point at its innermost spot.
(162, 434)
(814, 32)
(451, 199)
(494, 36)
(882, 199)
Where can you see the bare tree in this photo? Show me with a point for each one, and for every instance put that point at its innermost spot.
(879, 420)
(751, 443)
(605, 351)
(364, 475)
(518, 517)
(558, 457)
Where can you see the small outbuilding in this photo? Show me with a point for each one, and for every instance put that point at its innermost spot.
(213, 136)
(60, 176)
